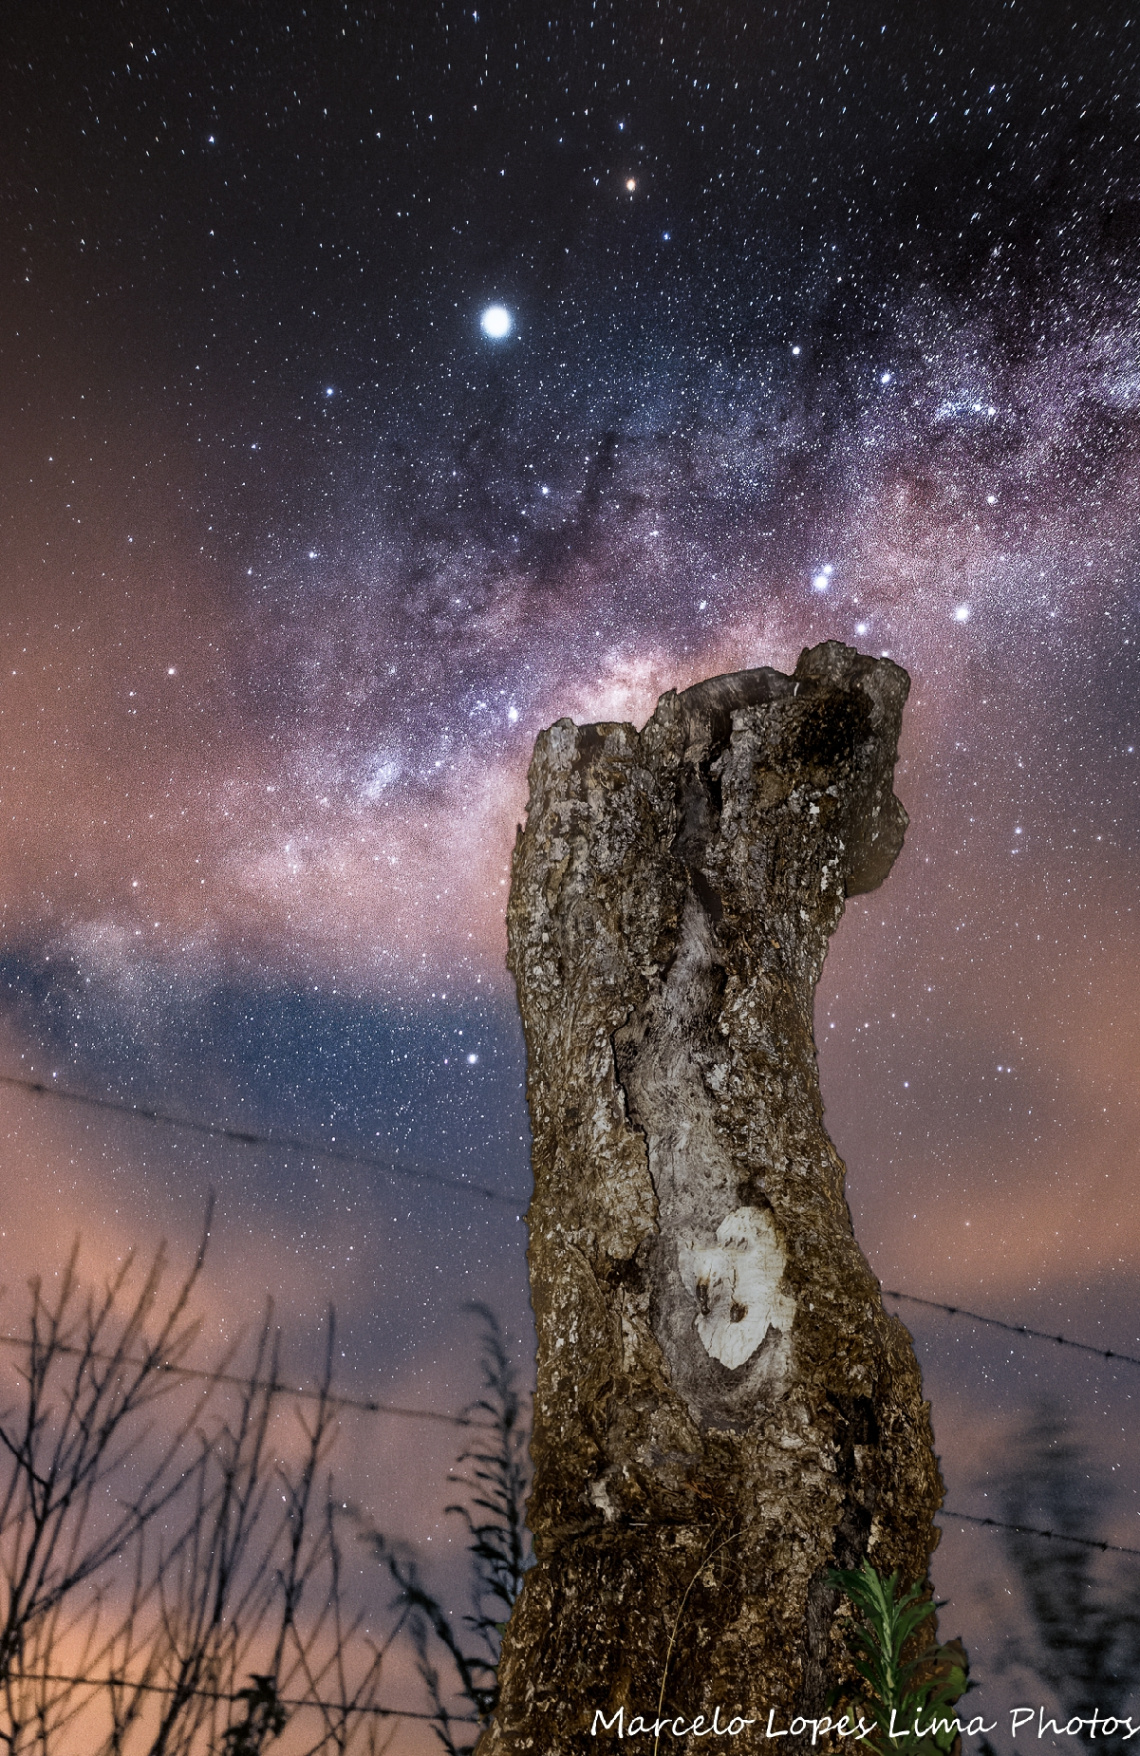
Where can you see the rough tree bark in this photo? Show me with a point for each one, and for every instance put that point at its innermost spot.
(724, 1409)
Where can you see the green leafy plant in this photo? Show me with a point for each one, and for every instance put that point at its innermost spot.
(909, 1699)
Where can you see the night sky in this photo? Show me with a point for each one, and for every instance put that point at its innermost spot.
(819, 323)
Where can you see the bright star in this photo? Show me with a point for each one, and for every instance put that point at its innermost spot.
(962, 613)
(496, 322)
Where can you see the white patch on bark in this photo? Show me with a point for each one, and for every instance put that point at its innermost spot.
(736, 1285)
(600, 1496)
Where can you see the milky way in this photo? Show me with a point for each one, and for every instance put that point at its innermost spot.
(821, 324)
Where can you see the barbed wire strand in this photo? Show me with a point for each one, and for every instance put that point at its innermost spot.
(272, 1386)
(1057, 1536)
(294, 1702)
(1085, 1347)
(251, 1137)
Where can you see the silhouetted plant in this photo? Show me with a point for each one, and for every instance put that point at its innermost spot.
(1083, 1608)
(167, 1580)
(265, 1718)
(497, 1477)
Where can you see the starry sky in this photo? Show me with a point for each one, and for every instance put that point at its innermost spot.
(816, 322)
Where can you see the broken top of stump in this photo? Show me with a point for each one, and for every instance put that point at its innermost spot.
(714, 1358)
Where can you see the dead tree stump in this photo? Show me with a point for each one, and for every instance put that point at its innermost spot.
(724, 1410)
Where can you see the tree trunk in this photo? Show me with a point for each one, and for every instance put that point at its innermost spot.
(724, 1410)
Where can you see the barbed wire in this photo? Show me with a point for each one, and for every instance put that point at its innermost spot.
(1057, 1536)
(390, 1167)
(393, 1168)
(1085, 1347)
(199, 1694)
(272, 1386)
